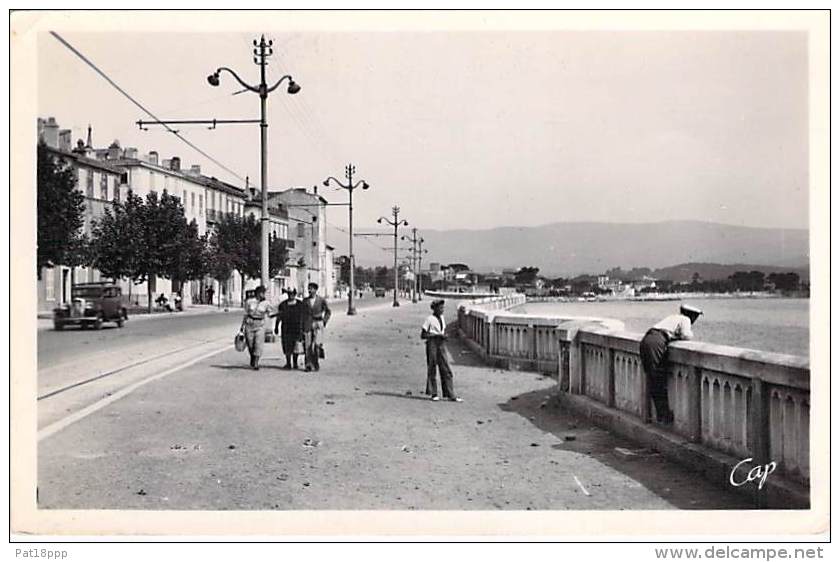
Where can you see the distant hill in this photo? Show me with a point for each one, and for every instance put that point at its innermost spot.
(716, 271)
(566, 249)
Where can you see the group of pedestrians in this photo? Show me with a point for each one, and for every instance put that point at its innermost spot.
(300, 322)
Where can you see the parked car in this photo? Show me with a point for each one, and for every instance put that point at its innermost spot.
(91, 305)
(379, 292)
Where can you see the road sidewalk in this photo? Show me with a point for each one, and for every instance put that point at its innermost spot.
(359, 434)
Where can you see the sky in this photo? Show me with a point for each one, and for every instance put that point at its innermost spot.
(473, 129)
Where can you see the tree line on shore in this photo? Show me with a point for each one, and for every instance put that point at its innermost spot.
(143, 238)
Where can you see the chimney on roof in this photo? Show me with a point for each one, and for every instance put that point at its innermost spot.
(195, 170)
(48, 132)
(131, 152)
(114, 150)
(153, 157)
(65, 141)
(90, 137)
(175, 163)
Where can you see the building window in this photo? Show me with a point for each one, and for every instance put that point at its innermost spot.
(89, 189)
(212, 204)
(116, 192)
(151, 181)
(49, 283)
(166, 183)
(184, 199)
(300, 232)
(200, 205)
(103, 187)
(192, 202)
(124, 178)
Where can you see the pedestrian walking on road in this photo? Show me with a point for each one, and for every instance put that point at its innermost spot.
(654, 354)
(434, 332)
(316, 314)
(257, 309)
(289, 317)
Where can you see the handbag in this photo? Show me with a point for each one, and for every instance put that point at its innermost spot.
(239, 342)
(321, 351)
(298, 347)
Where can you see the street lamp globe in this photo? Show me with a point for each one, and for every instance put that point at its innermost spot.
(294, 87)
(213, 79)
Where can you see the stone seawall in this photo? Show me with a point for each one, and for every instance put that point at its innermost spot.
(730, 404)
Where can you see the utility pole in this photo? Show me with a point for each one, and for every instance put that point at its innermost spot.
(420, 252)
(396, 223)
(350, 186)
(262, 51)
(413, 239)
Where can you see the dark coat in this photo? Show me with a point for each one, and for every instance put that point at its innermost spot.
(320, 310)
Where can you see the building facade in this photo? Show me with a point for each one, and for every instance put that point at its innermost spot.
(100, 183)
(307, 216)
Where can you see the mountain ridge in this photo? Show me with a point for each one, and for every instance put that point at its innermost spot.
(572, 248)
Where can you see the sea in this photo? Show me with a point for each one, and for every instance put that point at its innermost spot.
(779, 325)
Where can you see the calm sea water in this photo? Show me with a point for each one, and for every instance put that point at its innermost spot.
(778, 325)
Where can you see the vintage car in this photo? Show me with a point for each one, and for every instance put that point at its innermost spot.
(379, 292)
(91, 305)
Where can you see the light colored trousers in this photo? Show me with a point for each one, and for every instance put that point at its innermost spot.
(311, 340)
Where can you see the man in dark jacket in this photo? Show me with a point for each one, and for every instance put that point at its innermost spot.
(316, 314)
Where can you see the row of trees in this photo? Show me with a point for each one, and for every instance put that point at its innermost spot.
(142, 239)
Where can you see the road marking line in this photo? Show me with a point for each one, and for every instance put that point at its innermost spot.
(585, 491)
(96, 406)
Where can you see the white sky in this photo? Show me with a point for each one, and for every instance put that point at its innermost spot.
(475, 129)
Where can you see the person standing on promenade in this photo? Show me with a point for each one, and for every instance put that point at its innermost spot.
(257, 309)
(316, 314)
(289, 316)
(434, 332)
(654, 354)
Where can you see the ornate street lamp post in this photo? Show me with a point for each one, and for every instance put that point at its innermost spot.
(396, 223)
(262, 51)
(348, 173)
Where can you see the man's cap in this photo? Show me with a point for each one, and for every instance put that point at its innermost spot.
(437, 302)
(688, 309)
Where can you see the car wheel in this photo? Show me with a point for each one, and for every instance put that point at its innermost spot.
(58, 326)
(120, 322)
(97, 324)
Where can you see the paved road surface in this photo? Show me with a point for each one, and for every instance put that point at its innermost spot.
(208, 433)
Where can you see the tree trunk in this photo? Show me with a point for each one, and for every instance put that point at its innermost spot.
(149, 292)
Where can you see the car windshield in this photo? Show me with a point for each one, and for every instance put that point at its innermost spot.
(87, 292)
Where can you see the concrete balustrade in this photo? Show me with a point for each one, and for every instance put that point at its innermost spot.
(729, 403)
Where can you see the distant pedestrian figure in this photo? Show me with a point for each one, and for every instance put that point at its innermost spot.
(434, 332)
(654, 355)
(316, 314)
(257, 309)
(289, 317)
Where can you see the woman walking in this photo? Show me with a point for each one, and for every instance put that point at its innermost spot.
(434, 332)
(257, 309)
(289, 326)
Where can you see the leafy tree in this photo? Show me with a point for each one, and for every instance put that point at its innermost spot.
(60, 213)
(527, 275)
(113, 245)
(236, 244)
(784, 281)
(747, 281)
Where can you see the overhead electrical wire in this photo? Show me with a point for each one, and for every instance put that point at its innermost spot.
(138, 104)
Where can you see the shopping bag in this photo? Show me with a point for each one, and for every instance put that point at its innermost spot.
(239, 342)
(298, 347)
